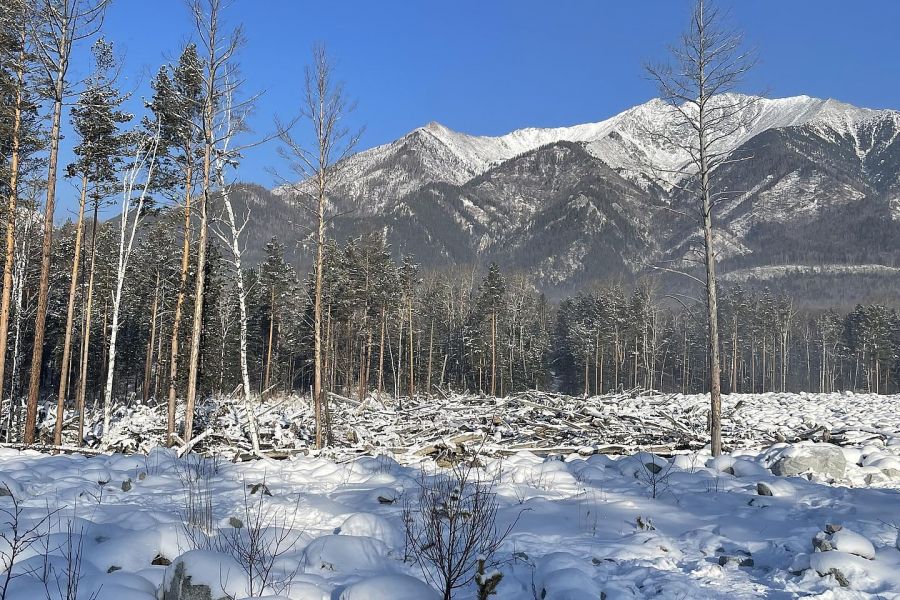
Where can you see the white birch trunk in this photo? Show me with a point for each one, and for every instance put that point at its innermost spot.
(236, 252)
(145, 159)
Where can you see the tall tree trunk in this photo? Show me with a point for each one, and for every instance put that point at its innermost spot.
(179, 307)
(412, 355)
(200, 286)
(734, 355)
(271, 337)
(236, 253)
(11, 215)
(381, 355)
(70, 318)
(148, 367)
(40, 319)
(144, 161)
(18, 287)
(317, 309)
(157, 372)
(494, 352)
(430, 355)
(715, 388)
(86, 334)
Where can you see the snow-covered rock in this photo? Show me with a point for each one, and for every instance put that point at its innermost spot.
(837, 537)
(774, 487)
(818, 459)
(204, 575)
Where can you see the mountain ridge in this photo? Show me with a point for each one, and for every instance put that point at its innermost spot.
(575, 204)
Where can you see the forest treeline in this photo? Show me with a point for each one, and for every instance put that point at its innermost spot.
(391, 328)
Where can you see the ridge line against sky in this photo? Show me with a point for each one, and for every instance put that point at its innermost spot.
(488, 68)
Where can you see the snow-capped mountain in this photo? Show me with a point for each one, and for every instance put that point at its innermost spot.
(434, 153)
(818, 178)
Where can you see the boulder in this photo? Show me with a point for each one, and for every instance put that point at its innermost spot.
(774, 487)
(819, 459)
(204, 575)
(851, 542)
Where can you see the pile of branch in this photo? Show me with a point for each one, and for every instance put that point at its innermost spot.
(447, 424)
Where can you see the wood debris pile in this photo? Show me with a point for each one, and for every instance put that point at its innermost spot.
(540, 422)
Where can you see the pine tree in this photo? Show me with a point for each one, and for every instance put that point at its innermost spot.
(177, 104)
(97, 121)
(61, 24)
(20, 139)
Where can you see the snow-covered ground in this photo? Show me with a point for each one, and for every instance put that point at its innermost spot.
(783, 520)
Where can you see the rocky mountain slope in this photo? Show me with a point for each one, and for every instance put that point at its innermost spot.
(818, 184)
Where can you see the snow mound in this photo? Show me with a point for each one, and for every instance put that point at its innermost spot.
(344, 553)
(395, 587)
(373, 526)
(851, 542)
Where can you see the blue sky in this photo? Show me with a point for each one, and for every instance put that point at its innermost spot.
(491, 66)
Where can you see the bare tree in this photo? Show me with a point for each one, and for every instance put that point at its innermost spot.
(19, 272)
(137, 180)
(60, 24)
(232, 122)
(325, 108)
(218, 47)
(453, 531)
(706, 65)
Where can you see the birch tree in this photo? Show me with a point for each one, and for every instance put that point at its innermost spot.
(137, 180)
(705, 66)
(232, 122)
(219, 47)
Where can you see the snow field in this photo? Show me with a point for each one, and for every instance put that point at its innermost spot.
(633, 526)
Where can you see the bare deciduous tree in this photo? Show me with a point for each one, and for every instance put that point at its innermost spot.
(707, 64)
(219, 46)
(325, 108)
(452, 531)
(232, 122)
(137, 180)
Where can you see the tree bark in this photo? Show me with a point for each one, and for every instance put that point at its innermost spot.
(11, 216)
(40, 320)
(271, 337)
(179, 306)
(381, 356)
(70, 317)
(715, 386)
(317, 306)
(148, 367)
(86, 335)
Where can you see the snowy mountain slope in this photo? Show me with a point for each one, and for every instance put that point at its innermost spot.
(435, 153)
(818, 183)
